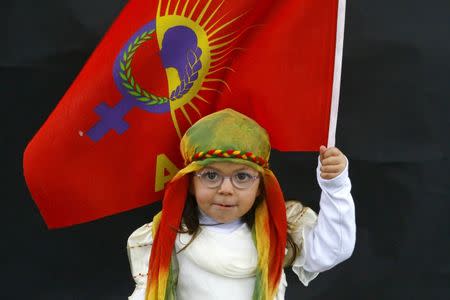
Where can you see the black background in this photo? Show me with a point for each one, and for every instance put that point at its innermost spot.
(393, 125)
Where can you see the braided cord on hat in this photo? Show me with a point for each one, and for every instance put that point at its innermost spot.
(230, 153)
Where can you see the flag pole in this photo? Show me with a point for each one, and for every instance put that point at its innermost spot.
(337, 73)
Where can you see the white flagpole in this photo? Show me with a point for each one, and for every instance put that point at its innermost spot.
(337, 73)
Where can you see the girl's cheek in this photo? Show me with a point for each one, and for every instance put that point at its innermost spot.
(202, 196)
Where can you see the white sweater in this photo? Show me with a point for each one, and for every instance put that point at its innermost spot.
(221, 262)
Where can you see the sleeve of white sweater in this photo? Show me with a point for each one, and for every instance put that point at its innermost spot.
(139, 248)
(329, 239)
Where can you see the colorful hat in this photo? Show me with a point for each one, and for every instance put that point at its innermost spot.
(222, 136)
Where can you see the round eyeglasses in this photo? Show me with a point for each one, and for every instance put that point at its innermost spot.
(213, 179)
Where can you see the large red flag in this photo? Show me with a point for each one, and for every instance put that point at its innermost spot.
(111, 143)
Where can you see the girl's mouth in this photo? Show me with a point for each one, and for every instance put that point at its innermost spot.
(224, 205)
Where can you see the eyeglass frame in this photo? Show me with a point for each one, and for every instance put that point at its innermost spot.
(253, 177)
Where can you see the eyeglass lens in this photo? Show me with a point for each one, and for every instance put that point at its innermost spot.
(239, 179)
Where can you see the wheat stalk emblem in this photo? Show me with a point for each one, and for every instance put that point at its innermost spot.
(191, 70)
(127, 77)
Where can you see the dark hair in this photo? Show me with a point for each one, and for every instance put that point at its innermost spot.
(191, 225)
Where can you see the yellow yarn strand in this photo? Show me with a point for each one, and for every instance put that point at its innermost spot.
(262, 232)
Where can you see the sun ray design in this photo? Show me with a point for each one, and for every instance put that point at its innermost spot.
(195, 108)
(204, 88)
(197, 40)
(220, 69)
(218, 80)
(238, 33)
(217, 60)
(158, 10)
(183, 12)
(216, 64)
(176, 7)
(200, 17)
(183, 110)
(221, 37)
(218, 46)
(210, 35)
(175, 122)
(193, 9)
(212, 14)
(167, 7)
(226, 50)
(225, 55)
(217, 22)
(201, 98)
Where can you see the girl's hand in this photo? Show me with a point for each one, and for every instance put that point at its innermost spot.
(333, 162)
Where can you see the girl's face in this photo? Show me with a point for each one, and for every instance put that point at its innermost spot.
(229, 200)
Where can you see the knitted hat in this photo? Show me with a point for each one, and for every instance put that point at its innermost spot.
(222, 136)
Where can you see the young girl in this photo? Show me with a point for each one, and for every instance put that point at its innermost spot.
(225, 231)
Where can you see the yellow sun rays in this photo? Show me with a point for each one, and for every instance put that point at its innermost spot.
(217, 26)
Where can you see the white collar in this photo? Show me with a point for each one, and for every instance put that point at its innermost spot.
(212, 224)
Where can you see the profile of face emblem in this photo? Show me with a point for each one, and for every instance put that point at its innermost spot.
(181, 52)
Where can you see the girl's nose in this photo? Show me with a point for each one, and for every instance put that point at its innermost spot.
(226, 187)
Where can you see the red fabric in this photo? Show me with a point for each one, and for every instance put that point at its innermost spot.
(282, 56)
(278, 228)
(164, 241)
